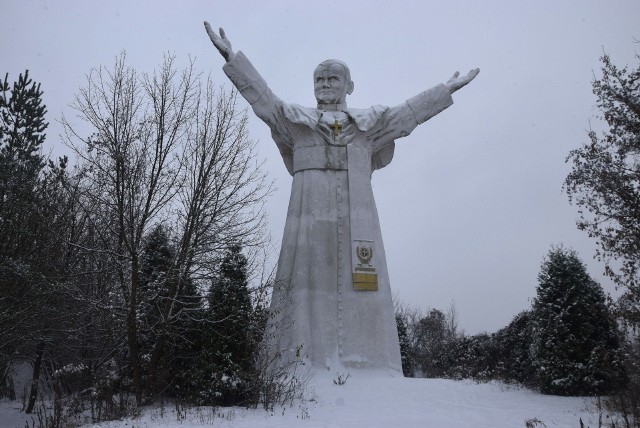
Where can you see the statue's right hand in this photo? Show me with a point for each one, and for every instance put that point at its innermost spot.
(219, 41)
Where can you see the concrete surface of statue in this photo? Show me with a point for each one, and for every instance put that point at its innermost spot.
(332, 285)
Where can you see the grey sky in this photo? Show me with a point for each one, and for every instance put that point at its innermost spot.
(472, 200)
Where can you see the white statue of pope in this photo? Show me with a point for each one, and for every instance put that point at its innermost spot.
(332, 273)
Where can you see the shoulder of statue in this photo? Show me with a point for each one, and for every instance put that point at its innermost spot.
(366, 118)
(296, 113)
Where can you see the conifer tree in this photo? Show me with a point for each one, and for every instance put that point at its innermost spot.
(575, 344)
(226, 364)
(168, 343)
(405, 346)
(432, 344)
(30, 251)
(155, 278)
(514, 350)
(22, 126)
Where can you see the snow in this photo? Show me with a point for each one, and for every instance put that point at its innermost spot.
(374, 400)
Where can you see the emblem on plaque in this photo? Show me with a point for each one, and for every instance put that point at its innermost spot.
(364, 255)
(365, 275)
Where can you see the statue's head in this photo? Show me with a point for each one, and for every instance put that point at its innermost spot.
(332, 82)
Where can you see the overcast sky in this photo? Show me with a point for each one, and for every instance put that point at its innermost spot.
(473, 199)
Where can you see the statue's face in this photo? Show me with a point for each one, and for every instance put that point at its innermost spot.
(331, 84)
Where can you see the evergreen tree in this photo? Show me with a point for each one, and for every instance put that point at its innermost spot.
(22, 126)
(405, 346)
(31, 220)
(432, 343)
(156, 276)
(575, 344)
(167, 343)
(226, 365)
(471, 357)
(514, 350)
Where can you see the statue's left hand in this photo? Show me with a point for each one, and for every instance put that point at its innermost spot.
(456, 82)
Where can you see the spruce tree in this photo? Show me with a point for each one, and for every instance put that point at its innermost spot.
(169, 343)
(156, 337)
(514, 350)
(22, 126)
(405, 346)
(32, 218)
(575, 344)
(433, 340)
(226, 365)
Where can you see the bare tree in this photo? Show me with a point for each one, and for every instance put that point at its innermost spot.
(164, 149)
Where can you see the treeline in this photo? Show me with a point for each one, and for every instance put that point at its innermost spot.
(568, 343)
(135, 272)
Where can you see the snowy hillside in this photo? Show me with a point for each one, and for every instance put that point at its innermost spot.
(379, 401)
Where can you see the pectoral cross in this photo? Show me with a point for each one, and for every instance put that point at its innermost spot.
(336, 128)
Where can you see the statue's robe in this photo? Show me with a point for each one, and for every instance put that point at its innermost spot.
(332, 301)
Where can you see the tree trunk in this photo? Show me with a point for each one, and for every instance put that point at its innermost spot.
(155, 378)
(132, 332)
(35, 380)
(7, 388)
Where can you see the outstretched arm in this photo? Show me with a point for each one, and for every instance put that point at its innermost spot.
(456, 82)
(220, 42)
(403, 119)
(265, 104)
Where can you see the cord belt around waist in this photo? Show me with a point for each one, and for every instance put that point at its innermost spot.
(319, 157)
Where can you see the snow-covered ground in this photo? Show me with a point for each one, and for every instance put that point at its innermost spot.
(376, 400)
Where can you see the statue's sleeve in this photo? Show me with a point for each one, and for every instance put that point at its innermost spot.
(401, 120)
(429, 103)
(265, 104)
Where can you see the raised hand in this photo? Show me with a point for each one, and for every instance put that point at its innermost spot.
(456, 82)
(220, 41)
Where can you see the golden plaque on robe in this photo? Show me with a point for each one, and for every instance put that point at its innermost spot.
(365, 276)
(365, 281)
